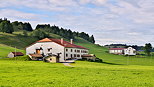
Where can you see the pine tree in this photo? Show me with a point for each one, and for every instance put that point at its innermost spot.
(92, 39)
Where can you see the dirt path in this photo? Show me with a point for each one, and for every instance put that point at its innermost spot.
(68, 64)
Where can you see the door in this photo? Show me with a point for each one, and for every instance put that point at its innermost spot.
(38, 51)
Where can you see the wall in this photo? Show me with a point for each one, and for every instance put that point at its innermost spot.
(10, 55)
(69, 52)
(130, 51)
(56, 48)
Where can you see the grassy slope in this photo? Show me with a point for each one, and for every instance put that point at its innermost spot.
(84, 74)
(4, 50)
(21, 42)
(115, 59)
(90, 74)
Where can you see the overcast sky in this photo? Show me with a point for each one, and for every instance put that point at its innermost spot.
(110, 21)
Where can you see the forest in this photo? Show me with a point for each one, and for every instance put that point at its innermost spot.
(41, 30)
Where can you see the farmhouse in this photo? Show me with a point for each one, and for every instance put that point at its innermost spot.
(123, 51)
(119, 51)
(63, 49)
(130, 51)
(15, 54)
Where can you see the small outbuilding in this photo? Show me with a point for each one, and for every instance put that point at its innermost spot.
(15, 54)
(52, 59)
(36, 56)
(89, 57)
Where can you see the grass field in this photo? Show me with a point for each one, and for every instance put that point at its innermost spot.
(4, 50)
(84, 74)
(115, 71)
(102, 53)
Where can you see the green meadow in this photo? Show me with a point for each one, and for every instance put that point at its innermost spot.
(83, 74)
(115, 71)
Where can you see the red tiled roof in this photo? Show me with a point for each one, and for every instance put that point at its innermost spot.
(117, 48)
(18, 53)
(65, 43)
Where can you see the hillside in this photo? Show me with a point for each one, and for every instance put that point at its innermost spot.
(115, 71)
(4, 50)
(19, 41)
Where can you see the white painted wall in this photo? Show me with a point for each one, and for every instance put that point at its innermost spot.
(73, 52)
(115, 51)
(56, 48)
(10, 55)
(130, 51)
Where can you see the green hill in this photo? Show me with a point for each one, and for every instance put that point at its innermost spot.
(115, 71)
(19, 41)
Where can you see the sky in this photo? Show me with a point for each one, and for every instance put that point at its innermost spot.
(110, 21)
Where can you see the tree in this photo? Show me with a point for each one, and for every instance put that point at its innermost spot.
(6, 27)
(28, 27)
(92, 40)
(40, 34)
(25, 33)
(148, 48)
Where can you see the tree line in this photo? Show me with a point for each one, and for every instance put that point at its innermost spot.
(66, 33)
(40, 31)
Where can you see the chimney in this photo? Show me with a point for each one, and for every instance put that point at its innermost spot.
(71, 41)
(62, 40)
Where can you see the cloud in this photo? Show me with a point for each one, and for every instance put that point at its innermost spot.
(8, 13)
(96, 2)
(110, 21)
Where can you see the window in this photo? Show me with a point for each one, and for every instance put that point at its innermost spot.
(74, 50)
(78, 55)
(48, 50)
(74, 55)
(71, 50)
(66, 55)
(78, 51)
(71, 55)
(66, 50)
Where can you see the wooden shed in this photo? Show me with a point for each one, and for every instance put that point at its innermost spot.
(15, 54)
(36, 56)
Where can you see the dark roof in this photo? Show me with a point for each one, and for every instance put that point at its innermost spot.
(65, 43)
(117, 48)
(18, 53)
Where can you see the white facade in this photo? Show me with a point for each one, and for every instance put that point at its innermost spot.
(129, 51)
(54, 48)
(75, 53)
(116, 51)
(11, 55)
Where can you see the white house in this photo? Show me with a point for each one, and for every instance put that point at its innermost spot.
(130, 51)
(119, 51)
(123, 51)
(63, 49)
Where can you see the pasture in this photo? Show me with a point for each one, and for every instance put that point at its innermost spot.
(115, 71)
(84, 74)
